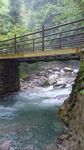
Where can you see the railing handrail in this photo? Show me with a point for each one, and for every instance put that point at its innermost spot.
(58, 34)
(64, 24)
(45, 29)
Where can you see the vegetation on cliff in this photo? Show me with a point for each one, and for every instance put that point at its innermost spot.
(18, 17)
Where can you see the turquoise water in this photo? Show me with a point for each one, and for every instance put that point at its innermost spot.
(30, 119)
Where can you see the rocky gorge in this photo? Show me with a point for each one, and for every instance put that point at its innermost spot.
(58, 77)
(71, 112)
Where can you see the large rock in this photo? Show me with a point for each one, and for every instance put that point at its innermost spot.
(67, 69)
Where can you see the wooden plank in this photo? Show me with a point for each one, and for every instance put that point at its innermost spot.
(40, 53)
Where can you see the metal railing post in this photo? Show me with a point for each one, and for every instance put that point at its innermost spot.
(42, 38)
(15, 43)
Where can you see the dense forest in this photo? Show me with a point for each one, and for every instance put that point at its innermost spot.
(23, 16)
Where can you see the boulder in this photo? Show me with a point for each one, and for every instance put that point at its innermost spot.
(67, 69)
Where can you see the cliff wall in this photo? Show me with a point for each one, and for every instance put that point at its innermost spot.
(72, 113)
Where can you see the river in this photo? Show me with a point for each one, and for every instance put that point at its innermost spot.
(29, 119)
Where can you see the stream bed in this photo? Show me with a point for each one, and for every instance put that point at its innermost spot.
(29, 119)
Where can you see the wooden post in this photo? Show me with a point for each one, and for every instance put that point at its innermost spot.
(33, 46)
(42, 38)
(15, 43)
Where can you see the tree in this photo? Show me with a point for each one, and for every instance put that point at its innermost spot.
(14, 11)
(21, 16)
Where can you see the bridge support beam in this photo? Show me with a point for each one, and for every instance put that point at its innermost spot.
(9, 77)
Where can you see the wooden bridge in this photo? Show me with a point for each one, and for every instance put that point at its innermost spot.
(64, 39)
(67, 38)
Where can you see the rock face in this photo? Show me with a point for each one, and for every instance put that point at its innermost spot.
(72, 112)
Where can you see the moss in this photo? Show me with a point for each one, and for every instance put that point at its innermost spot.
(23, 75)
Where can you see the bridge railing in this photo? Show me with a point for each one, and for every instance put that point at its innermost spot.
(57, 37)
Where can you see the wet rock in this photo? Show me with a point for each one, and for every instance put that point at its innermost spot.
(50, 71)
(43, 73)
(67, 69)
(46, 83)
(53, 79)
(56, 69)
(59, 86)
(21, 80)
(54, 83)
(57, 73)
(68, 85)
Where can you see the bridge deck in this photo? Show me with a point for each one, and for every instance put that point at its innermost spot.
(40, 53)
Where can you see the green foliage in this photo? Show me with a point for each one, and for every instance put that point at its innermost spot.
(26, 69)
(20, 17)
(14, 10)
